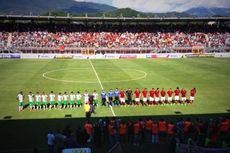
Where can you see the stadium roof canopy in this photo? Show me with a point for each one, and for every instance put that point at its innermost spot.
(112, 19)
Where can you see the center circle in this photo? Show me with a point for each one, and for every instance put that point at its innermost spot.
(87, 75)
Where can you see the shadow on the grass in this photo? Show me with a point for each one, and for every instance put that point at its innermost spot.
(25, 106)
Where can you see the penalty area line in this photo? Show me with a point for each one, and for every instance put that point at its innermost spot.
(99, 81)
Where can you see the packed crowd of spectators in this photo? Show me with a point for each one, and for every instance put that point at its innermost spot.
(114, 37)
(3, 39)
(205, 133)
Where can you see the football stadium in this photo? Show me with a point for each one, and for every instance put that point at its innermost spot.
(114, 84)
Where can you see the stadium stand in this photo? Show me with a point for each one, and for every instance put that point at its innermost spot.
(183, 135)
(117, 37)
(74, 37)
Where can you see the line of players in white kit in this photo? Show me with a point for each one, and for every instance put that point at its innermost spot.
(111, 98)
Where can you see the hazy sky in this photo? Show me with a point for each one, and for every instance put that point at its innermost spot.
(163, 5)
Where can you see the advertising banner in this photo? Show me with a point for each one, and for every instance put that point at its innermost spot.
(99, 56)
(161, 55)
(46, 56)
(154, 56)
(126, 56)
(63, 56)
(77, 57)
(15, 56)
(111, 56)
(222, 55)
(151, 56)
(10, 56)
(192, 55)
(77, 150)
(175, 55)
(29, 56)
(80, 57)
(206, 55)
(148, 56)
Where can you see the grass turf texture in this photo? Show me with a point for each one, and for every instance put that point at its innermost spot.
(209, 75)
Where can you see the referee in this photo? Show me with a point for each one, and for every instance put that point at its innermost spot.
(87, 110)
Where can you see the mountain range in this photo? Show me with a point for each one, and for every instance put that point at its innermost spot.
(37, 7)
(202, 11)
(41, 7)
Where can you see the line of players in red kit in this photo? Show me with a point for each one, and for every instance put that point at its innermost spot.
(157, 96)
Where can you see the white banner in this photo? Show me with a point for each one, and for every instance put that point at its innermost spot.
(64, 56)
(141, 55)
(29, 56)
(37, 56)
(222, 55)
(79, 56)
(175, 55)
(112, 56)
(163, 55)
(46, 56)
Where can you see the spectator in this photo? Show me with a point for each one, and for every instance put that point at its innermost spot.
(187, 125)
(111, 132)
(123, 132)
(89, 130)
(97, 135)
(170, 129)
(212, 133)
(80, 136)
(201, 129)
(180, 128)
(50, 141)
(111, 39)
(67, 131)
(105, 130)
(136, 130)
(130, 131)
(71, 141)
(60, 141)
(155, 131)
(148, 128)
(162, 129)
(223, 129)
(173, 144)
(142, 131)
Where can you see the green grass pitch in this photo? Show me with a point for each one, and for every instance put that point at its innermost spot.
(209, 75)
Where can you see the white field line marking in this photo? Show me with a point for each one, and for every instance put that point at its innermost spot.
(68, 81)
(98, 79)
(112, 110)
(100, 83)
(88, 82)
